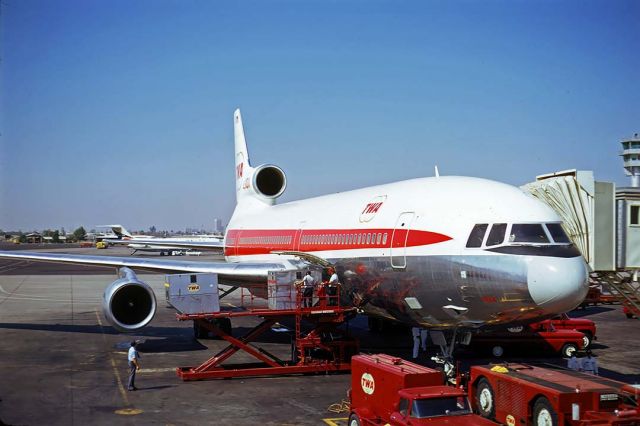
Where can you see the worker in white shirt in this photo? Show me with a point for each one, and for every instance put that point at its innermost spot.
(134, 365)
(590, 364)
(419, 340)
(332, 289)
(307, 290)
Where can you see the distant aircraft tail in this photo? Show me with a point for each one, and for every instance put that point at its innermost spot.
(119, 230)
(265, 183)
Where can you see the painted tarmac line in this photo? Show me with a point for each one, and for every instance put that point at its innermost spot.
(336, 421)
(123, 392)
(11, 267)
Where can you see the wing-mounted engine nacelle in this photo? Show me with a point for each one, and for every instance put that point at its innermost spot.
(128, 303)
(269, 181)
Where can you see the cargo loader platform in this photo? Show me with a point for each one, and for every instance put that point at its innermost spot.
(322, 348)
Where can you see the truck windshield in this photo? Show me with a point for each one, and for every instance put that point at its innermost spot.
(433, 407)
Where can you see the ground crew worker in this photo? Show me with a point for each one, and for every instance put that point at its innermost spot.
(134, 365)
(574, 363)
(419, 340)
(332, 289)
(307, 293)
(590, 364)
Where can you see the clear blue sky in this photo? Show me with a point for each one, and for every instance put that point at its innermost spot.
(121, 111)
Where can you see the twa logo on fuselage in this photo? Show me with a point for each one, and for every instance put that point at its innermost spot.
(372, 208)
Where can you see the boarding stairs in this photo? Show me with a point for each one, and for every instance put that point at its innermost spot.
(621, 286)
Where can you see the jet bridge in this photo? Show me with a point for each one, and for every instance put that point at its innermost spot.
(601, 223)
(321, 349)
(587, 209)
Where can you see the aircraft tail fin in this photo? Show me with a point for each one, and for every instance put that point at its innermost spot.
(243, 167)
(264, 183)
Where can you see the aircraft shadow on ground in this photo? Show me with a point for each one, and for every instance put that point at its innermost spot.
(166, 339)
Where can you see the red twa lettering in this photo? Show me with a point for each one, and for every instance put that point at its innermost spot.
(239, 170)
(371, 208)
(366, 383)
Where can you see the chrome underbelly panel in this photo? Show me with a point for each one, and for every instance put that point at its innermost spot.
(450, 290)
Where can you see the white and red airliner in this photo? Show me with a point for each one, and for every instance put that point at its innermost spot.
(439, 252)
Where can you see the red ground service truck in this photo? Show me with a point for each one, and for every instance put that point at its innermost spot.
(544, 338)
(564, 322)
(388, 390)
(520, 394)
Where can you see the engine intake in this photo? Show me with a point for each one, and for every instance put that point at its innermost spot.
(269, 181)
(128, 303)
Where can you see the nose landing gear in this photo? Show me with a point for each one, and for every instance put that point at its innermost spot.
(447, 347)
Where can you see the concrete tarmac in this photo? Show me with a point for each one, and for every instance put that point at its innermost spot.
(62, 364)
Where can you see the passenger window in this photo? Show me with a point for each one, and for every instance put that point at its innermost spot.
(557, 233)
(359, 238)
(384, 239)
(368, 238)
(379, 239)
(477, 235)
(496, 235)
(528, 233)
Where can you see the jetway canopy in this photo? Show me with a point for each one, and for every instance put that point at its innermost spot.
(587, 209)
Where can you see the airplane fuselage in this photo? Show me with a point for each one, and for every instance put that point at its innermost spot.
(397, 244)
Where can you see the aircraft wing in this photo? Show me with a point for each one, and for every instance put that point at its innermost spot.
(228, 273)
(158, 242)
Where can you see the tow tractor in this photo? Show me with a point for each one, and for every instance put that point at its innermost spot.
(528, 395)
(388, 390)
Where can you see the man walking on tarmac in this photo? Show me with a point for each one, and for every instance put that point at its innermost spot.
(307, 293)
(134, 365)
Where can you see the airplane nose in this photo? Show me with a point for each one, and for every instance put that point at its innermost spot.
(557, 284)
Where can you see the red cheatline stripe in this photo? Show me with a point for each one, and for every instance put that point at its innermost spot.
(241, 242)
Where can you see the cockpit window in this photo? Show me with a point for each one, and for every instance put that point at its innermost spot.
(528, 233)
(557, 233)
(477, 235)
(496, 236)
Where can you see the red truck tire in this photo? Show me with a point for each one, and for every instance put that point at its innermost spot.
(354, 420)
(543, 413)
(485, 399)
(569, 349)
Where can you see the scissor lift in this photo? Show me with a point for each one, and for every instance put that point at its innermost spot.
(323, 349)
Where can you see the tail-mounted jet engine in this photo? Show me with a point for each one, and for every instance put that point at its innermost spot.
(128, 303)
(269, 181)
